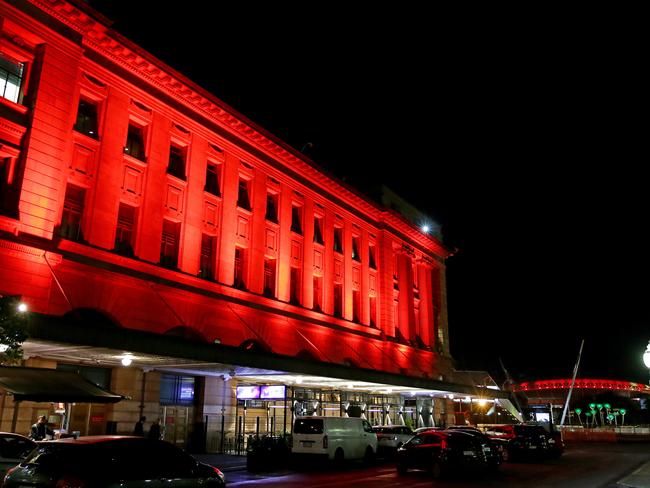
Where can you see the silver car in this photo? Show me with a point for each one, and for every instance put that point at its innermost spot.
(391, 437)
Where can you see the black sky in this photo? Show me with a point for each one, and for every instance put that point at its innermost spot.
(526, 143)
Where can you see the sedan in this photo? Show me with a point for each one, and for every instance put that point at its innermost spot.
(441, 453)
(13, 449)
(111, 462)
(391, 437)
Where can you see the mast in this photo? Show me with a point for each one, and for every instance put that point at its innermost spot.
(573, 382)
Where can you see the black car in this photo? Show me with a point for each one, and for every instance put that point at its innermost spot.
(527, 440)
(442, 452)
(494, 448)
(111, 461)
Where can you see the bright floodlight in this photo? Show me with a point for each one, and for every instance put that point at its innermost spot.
(127, 360)
(425, 228)
(646, 356)
(22, 307)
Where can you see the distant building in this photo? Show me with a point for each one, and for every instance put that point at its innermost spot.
(146, 223)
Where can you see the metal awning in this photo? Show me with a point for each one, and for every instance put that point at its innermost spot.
(50, 385)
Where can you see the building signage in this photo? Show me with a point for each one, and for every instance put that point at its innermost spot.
(265, 392)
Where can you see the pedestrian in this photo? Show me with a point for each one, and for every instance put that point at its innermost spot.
(139, 427)
(40, 429)
(154, 431)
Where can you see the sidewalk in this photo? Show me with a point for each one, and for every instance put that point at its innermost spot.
(639, 478)
(225, 462)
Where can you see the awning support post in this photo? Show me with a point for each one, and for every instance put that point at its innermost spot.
(14, 420)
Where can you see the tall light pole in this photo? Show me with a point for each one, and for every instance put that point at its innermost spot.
(646, 357)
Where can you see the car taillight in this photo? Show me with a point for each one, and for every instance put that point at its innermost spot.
(218, 473)
(443, 444)
(70, 482)
(324, 442)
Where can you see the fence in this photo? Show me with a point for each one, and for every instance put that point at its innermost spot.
(229, 434)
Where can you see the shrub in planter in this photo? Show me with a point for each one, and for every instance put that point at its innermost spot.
(267, 452)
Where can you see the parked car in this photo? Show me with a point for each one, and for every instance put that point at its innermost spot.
(111, 462)
(335, 438)
(391, 437)
(494, 448)
(442, 452)
(13, 449)
(527, 440)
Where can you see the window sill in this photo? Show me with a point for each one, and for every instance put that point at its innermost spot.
(22, 109)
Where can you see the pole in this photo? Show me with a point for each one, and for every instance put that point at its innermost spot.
(573, 382)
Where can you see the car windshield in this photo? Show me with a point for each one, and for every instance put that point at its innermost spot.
(308, 426)
(383, 430)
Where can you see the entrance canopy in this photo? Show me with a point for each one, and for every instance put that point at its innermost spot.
(50, 385)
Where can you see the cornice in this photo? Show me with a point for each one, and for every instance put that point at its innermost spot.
(100, 38)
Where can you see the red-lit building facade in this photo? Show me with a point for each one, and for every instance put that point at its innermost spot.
(131, 198)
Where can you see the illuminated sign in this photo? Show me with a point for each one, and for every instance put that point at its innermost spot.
(272, 392)
(265, 392)
(248, 392)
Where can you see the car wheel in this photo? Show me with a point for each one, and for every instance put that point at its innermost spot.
(505, 455)
(436, 470)
(369, 456)
(339, 457)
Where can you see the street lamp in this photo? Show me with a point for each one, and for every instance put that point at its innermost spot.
(646, 356)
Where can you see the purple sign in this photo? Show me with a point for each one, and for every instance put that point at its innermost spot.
(248, 392)
(272, 392)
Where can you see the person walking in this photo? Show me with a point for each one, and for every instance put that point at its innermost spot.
(154, 430)
(139, 427)
(40, 429)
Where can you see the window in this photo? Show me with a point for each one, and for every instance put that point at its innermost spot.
(338, 300)
(355, 249)
(269, 278)
(176, 166)
(373, 311)
(272, 207)
(135, 142)
(295, 288)
(169, 244)
(338, 239)
(356, 306)
(372, 261)
(318, 230)
(11, 78)
(86, 122)
(208, 249)
(73, 208)
(240, 268)
(125, 233)
(296, 219)
(318, 293)
(212, 179)
(176, 390)
(243, 198)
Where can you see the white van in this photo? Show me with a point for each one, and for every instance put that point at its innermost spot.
(338, 438)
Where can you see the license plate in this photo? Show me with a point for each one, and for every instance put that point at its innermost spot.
(469, 453)
(486, 449)
(532, 447)
(307, 443)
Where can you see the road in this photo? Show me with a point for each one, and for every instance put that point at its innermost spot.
(582, 466)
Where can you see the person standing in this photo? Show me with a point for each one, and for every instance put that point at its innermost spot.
(139, 427)
(154, 431)
(40, 430)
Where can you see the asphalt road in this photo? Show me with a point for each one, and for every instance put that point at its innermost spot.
(582, 466)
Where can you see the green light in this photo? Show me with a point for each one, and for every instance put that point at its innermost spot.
(599, 406)
(578, 411)
(623, 411)
(607, 405)
(610, 417)
(592, 405)
(588, 414)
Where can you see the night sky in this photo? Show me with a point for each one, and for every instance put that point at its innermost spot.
(523, 143)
